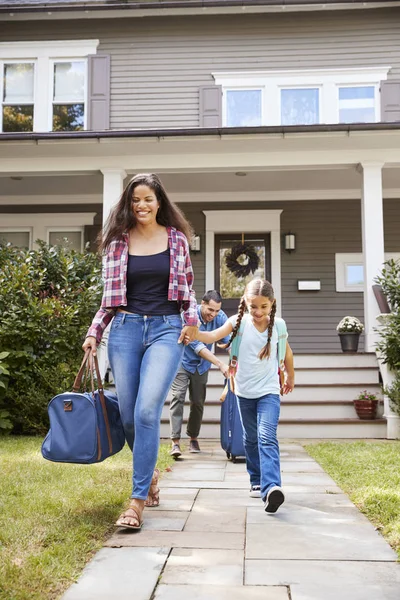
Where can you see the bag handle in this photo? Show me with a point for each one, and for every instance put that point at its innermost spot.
(92, 364)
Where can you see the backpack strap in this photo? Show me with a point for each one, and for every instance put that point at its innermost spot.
(233, 358)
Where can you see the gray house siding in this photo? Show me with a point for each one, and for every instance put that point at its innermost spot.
(158, 65)
(322, 228)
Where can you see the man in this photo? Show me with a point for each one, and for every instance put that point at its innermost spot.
(193, 373)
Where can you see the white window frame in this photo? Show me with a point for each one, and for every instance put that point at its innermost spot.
(44, 54)
(243, 88)
(327, 80)
(342, 259)
(13, 62)
(50, 230)
(54, 61)
(19, 230)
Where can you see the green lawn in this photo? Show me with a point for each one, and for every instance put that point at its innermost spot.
(369, 472)
(53, 517)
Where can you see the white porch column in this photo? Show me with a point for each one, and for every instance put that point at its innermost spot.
(113, 185)
(372, 244)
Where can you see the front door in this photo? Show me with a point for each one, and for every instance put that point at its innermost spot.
(230, 286)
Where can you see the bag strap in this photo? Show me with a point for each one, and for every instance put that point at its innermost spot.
(92, 364)
(233, 360)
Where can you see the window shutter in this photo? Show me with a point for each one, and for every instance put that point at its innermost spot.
(211, 106)
(390, 100)
(98, 117)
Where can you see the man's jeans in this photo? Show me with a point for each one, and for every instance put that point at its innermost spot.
(260, 418)
(144, 357)
(197, 395)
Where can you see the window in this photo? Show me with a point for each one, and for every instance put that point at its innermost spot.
(301, 97)
(299, 106)
(21, 238)
(17, 96)
(69, 95)
(43, 86)
(243, 108)
(357, 104)
(70, 238)
(350, 271)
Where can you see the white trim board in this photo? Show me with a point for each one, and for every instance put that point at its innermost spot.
(244, 221)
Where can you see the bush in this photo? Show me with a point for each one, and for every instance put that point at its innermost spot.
(47, 299)
(392, 391)
(389, 344)
(5, 423)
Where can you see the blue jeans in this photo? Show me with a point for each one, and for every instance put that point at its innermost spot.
(144, 357)
(260, 418)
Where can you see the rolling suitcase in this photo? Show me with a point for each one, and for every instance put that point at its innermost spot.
(231, 427)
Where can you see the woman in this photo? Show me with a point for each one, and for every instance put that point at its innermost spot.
(148, 283)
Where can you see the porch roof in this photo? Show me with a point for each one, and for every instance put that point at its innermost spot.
(132, 5)
(203, 131)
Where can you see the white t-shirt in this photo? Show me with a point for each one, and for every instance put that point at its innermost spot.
(255, 377)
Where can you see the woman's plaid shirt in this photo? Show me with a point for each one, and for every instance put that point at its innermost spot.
(115, 273)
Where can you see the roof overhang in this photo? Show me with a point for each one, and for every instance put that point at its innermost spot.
(205, 150)
(99, 9)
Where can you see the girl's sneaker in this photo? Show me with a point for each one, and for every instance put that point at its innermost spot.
(255, 491)
(274, 499)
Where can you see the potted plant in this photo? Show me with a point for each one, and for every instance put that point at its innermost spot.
(349, 330)
(366, 405)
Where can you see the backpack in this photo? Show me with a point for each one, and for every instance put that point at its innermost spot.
(234, 354)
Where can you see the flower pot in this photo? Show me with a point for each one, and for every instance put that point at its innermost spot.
(366, 409)
(349, 341)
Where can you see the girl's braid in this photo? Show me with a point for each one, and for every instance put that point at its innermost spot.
(266, 351)
(241, 309)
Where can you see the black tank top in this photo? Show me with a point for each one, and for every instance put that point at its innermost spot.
(147, 285)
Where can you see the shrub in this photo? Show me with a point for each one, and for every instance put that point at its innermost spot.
(392, 391)
(47, 300)
(5, 423)
(389, 344)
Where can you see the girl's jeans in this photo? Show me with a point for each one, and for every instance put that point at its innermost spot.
(144, 357)
(260, 418)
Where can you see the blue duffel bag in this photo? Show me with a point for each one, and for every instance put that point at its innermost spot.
(84, 427)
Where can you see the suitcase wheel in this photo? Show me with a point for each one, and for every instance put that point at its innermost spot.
(228, 455)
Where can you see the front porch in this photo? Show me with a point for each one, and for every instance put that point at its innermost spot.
(337, 188)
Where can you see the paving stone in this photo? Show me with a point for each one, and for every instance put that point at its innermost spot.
(300, 466)
(168, 520)
(208, 592)
(226, 498)
(204, 566)
(210, 464)
(175, 499)
(210, 518)
(186, 474)
(176, 539)
(308, 541)
(291, 572)
(118, 574)
(305, 516)
(309, 479)
(334, 591)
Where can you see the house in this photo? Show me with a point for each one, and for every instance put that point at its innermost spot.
(273, 122)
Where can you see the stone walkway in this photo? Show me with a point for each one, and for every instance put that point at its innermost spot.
(209, 540)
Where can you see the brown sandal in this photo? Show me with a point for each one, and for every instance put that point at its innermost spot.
(135, 516)
(153, 499)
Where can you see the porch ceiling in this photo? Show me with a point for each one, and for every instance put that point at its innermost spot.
(289, 184)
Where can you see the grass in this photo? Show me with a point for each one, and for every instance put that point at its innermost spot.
(53, 517)
(369, 472)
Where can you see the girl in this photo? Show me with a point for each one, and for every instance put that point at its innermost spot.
(147, 289)
(257, 386)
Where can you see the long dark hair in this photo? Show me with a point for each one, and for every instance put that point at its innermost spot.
(257, 287)
(122, 217)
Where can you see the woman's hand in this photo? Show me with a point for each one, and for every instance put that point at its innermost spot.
(90, 343)
(188, 334)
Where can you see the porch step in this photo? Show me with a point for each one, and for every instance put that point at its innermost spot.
(304, 429)
(290, 409)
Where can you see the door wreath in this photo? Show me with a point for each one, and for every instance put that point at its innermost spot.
(249, 259)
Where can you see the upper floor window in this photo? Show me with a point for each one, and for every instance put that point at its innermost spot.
(301, 97)
(40, 92)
